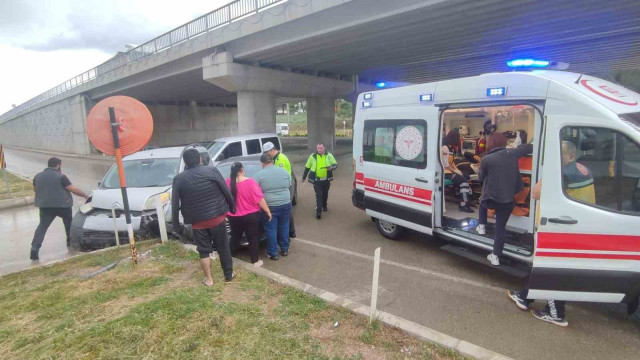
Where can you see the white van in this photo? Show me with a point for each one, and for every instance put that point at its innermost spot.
(581, 250)
(241, 145)
(282, 129)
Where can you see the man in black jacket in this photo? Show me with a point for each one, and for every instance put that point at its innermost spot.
(53, 197)
(201, 193)
(501, 180)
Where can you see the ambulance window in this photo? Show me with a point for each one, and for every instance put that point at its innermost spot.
(396, 142)
(601, 167)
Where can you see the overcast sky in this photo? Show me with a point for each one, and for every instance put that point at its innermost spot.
(46, 42)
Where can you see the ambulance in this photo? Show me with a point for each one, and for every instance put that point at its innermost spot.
(575, 248)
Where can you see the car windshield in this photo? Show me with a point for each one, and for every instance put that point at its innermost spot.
(215, 147)
(143, 173)
(249, 169)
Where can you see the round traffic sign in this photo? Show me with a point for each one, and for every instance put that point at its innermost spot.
(135, 125)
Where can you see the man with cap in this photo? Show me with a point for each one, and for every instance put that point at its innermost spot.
(282, 161)
(320, 167)
(53, 197)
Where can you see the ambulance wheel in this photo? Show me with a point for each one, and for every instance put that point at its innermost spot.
(389, 229)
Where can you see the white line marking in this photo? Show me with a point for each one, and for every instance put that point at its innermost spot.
(403, 266)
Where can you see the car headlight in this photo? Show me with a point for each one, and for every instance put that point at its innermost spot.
(86, 208)
(150, 204)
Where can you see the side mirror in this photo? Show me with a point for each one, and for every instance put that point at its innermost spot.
(99, 183)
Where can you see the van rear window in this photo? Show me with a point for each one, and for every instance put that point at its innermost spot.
(396, 142)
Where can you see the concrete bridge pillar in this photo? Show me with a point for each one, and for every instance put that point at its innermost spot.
(321, 122)
(256, 112)
(258, 87)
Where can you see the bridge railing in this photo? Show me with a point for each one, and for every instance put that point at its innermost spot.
(215, 19)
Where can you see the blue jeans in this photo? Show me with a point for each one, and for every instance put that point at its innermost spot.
(277, 230)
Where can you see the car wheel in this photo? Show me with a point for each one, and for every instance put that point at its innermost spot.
(389, 229)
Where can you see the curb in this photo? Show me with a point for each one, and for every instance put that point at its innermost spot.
(107, 158)
(12, 203)
(410, 327)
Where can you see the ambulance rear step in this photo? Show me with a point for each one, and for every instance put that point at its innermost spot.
(508, 266)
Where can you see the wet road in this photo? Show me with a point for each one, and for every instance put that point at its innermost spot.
(418, 281)
(19, 224)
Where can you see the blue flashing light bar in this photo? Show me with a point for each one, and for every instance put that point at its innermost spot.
(426, 97)
(497, 91)
(367, 96)
(381, 84)
(528, 63)
(366, 104)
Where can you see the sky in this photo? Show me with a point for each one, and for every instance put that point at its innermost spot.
(44, 43)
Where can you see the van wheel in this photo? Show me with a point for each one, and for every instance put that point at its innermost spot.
(389, 229)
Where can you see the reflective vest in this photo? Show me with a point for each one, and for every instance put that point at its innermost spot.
(320, 167)
(281, 160)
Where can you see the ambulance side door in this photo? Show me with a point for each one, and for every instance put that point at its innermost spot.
(399, 154)
(587, 244)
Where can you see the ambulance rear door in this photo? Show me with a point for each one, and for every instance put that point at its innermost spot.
(399, 154)
(587, 244)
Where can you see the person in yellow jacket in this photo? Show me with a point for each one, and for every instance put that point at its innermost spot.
(319, 168)
(282, 161)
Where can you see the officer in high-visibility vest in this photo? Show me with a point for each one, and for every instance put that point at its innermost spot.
(319, 167)
(282, 161)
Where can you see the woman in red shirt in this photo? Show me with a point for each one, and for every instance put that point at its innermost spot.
(249, 200)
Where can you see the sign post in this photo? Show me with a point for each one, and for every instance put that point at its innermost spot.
(120, 126)
(123, 183)
(3, 166)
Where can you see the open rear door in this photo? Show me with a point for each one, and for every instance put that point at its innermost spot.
(587, 244)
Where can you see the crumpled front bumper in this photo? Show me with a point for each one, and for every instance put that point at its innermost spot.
(96, 229)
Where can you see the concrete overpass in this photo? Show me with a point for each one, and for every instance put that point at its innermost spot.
(223, 73)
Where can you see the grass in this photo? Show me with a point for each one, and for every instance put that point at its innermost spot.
(159, 310)
(17, 186)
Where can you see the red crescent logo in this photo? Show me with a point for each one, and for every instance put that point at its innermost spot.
(585, 83)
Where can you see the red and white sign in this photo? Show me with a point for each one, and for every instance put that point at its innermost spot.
(610, 92)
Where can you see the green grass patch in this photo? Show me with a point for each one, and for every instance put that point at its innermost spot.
(12, 186)
(159, 310)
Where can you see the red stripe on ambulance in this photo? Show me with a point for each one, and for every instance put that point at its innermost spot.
(588, 255)
(400, 191)
(596, 242)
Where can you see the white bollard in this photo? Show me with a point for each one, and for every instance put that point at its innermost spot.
(115, 226)
(161, 222)
(374, 285)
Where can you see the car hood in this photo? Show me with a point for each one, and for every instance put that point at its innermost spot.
(106, 198)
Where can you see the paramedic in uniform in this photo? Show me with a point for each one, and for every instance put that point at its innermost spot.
(577, 181)
(282, 161)
(319, 167)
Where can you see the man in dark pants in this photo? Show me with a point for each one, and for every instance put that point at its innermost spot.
(201, 193)
(319, 167)
(53, 197)
(501, 180)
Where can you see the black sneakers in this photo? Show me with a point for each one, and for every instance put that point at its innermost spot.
(273, 257)
(545, 316)
(318, 215)
(34, 255)
(324, 208)
(284, 253)
(520, 303)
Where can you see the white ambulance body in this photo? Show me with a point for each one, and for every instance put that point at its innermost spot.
(580, 250)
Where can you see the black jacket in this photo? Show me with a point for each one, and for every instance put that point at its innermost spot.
(500, 173)
(201, 194)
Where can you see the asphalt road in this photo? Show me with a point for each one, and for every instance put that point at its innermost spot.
(417, 280)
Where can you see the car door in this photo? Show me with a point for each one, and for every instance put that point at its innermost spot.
(587, 244)
(398, 161)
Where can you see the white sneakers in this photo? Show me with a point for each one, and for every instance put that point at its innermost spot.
(495, 261)
(480, 229)
(258, 263)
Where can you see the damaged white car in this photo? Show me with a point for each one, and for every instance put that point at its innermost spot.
(149, 175)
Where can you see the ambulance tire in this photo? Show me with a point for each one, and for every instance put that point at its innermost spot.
(389, 229)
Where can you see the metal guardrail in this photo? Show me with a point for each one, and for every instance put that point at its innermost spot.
(215, 19)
